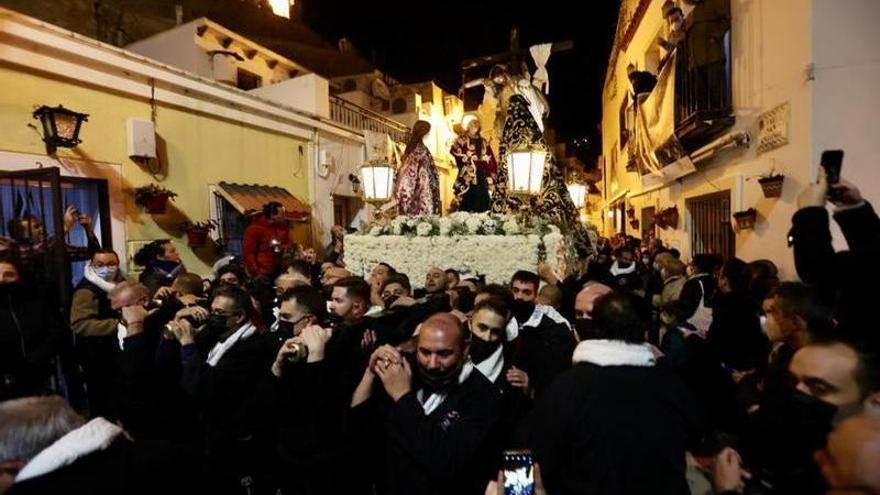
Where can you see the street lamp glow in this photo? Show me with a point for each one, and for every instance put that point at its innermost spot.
(578, 193)
(525, 169)
(378, 182)
(281, 7)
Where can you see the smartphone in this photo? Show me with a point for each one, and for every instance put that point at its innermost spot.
(519, 472)
(832, 160)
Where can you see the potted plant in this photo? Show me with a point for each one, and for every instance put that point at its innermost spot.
(631, 213)
(197, 233)
(634, 223)
(746, 219)
(153, 198)
(660, 221)
(670, 216)
(771, 184)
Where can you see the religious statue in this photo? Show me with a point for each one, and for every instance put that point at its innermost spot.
(476, 166)
(418, 185)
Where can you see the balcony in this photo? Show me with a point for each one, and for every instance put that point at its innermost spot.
(703, 103)
(358, 118)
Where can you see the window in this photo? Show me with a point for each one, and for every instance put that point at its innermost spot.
(648, 222)
(710, 229)
(231, 224)
(625, 121)
(248, 80)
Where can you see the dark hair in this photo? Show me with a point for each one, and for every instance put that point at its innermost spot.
(764, 268)
(190, 283)
(271, 208)
(301, 267)
(738, 275)
(619, 316)
(453, 271)
(241, 300)
(496, 305)
(104, 251)
(151, 252)
(391, 270)
(355, 288)
(705, 263)
(235, 269)
(526, 277)
(17, 230)
(797, 299)
(867, 374)
(308, 300)
(622, 249)
(675, 253)
(500, 292)
(419, 131)
(396, 278)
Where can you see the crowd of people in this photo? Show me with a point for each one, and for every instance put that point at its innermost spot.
(283, 374)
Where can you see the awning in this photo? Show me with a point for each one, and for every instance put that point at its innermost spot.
(249, 199)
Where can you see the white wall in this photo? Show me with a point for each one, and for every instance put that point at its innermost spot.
(175, 47)
(347, 157)
(846, 97)
(310, 93)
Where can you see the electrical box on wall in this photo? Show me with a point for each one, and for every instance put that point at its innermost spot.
(141, 139)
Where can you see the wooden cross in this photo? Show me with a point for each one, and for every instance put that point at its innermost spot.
(511, 57)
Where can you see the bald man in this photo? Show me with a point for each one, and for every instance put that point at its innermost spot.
(437, 425)
(583, 308)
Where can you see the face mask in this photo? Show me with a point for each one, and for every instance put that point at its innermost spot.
(585, 328)
(107, 273)
(523, 310)
(285, 328)
(763, 320)
(480, 350)
(388, 301)
(811, 417)
(7, 290)
(438, 381)
(646, 261)
(217, 322)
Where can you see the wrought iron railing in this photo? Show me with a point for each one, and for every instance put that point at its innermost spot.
(358, 118)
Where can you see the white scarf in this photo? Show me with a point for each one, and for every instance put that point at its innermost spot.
(617, 270)
(243, 333)
(613, 353)
(90, 275)
(491, 366)
(436, 399)
(540, 312)
(91, 437)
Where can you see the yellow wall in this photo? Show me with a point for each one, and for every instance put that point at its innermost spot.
(197, 150)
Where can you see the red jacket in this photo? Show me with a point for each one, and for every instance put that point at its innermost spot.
(260, 256)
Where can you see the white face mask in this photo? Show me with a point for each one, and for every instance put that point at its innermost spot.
(107, 273)
(763, 320)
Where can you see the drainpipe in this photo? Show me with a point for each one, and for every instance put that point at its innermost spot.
(315, 159)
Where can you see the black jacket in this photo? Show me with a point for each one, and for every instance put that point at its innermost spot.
(446, 452)
(31, 333)
(125, 467)
(544, 352)
(834, 273)
(735, 334)
(398, 324)
(616, 429)
(692, 293)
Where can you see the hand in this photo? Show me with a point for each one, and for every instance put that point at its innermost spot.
(133, 318)
(384, 356)
(86, 222)
(199, 313)
(845, 194)
(163, 293)
(396, 378)
(70, 217)
(189, 300)
(183, 331)
(737, 375)
(518, 378)
(368, 342)
(403, 301)
(453, 298)
(815, 193)
(285, 351)
(316, 339)
(728, 472)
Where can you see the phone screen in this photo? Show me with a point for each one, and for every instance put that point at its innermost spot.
(519, 473)
(831, 162)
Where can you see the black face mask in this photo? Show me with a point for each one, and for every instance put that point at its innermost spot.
(480, 350)
(7, 290)
(388, 301)
(217, 323)
(811, 417)
(285, 328)
(623, 265)
(523, 310)
(585, 328)
(439, 381)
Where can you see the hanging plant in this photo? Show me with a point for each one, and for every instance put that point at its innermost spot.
(631, 213)
(634, 224)
(153, 198)
(670, 216)
(745, 220)
(771, 184)
(660, 221)
(197, 233)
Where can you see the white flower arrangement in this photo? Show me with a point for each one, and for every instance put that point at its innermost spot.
(494, 246)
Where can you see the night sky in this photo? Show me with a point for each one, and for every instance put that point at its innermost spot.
(419, 41)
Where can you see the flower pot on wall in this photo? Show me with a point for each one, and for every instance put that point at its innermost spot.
(670, 217)
(196, 237)
(745, 220)
(155, 204)
(772, 186)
